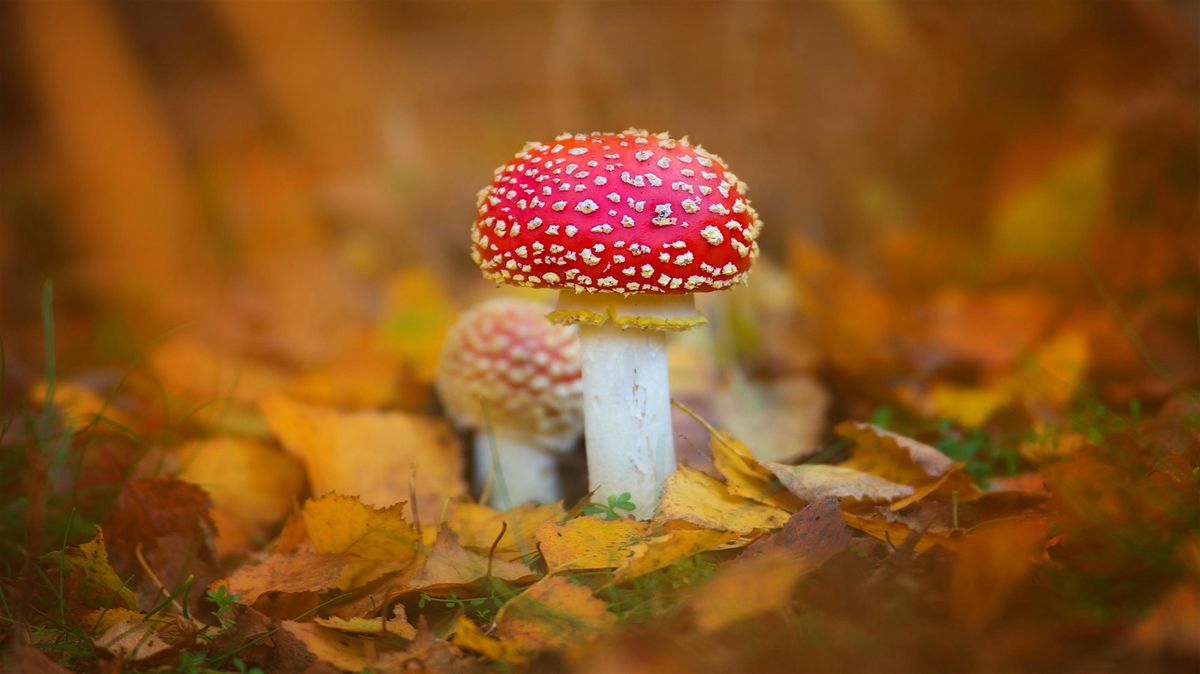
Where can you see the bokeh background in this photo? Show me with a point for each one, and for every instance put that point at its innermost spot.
(943, 183)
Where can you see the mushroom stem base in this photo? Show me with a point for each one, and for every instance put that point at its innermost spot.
(525, 474)
(627, 413)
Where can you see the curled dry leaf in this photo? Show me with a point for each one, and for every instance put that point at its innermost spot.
(372, 455)
(896, 533)
(745, 476)
(695, 497)
(816, 482)
(374, 541)
(890, 455)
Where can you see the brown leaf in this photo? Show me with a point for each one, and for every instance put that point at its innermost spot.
(1172, 626)
(91, 580)
(296, 572)
(29, 660)
(992, 560)
(762, 578)
(170, 520)
(896, 533)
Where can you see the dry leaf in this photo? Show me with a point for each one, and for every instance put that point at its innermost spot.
(250, 483)
(816, 482)
(478, 526)
(447, 564)
(1172, 626)
(132, 640)
(589, 542)
(374, 541)
(344, 651)
(667, 547)
(891, 456)
(90, 577)
(745, 476)
(695, 497)
(896, 533)
(992, 560)
(297, 572)
(763, 577)
(468, 635)
(372, 455)
(397, 626)
(955, 482)
(552, 613)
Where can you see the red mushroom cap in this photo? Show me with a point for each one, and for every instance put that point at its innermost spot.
(623, 213)
(505, 355)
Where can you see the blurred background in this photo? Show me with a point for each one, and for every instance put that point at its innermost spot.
(945, 186)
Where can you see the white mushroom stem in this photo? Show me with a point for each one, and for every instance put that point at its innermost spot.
(626, 392)
(526, 473)
(627, 413)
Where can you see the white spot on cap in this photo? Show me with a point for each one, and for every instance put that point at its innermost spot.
(571, 229)
(712, 235)
(586, 206)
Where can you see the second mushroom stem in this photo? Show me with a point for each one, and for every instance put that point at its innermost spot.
(627, 413)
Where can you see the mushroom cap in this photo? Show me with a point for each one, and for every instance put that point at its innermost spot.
(621, 213)
(504, 355)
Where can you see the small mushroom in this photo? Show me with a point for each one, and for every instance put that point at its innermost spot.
(513, 378)
(628, 226)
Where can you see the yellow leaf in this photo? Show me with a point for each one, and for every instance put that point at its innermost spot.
(1054, 371)
(891, 456)
(343, 651)
(447, 564)
(361, 375)
(692, 496)
(552, 613)
(80, 405)
(189, 367)
(375, 541)
(968, 406)
(816, 482)
(92, 578)
(589, 542)
(250, 482)
(954, 480)
(668, 547)
(371, 455)
(477, 526)
(897, 533)
(101, 619)
(468, 635)
(744, 475)
(397, 626)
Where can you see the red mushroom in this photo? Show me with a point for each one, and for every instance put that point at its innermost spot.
(628, 226)
(513, 377)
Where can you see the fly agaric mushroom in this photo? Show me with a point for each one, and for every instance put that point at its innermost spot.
(513, 377)
(628, 226)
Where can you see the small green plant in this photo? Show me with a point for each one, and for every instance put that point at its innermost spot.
(610, 510)
(226, 604)
(190, 663)
(240, 666)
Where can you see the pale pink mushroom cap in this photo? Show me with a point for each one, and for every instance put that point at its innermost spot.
(505, 355)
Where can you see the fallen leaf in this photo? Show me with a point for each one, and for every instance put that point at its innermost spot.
(589, 542)
(251, 483)
(361, 375)
(991, 561)
(374, 541)
(189, 367)
(132, 640)
(372, 455)
(814, 482)
(695, 497)
(552, 613)
(344, 651)
(91, 580)
(1054, 370)
(447, 564)
(891, 456)
(79, 404)
(895, 533)
(955, 482)
(667, 547)
(29, 660)
(745, 476)
(397, 626)
(296, 572)
(478, 526)
(468, 635)
(967, 406)
(98, 621)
